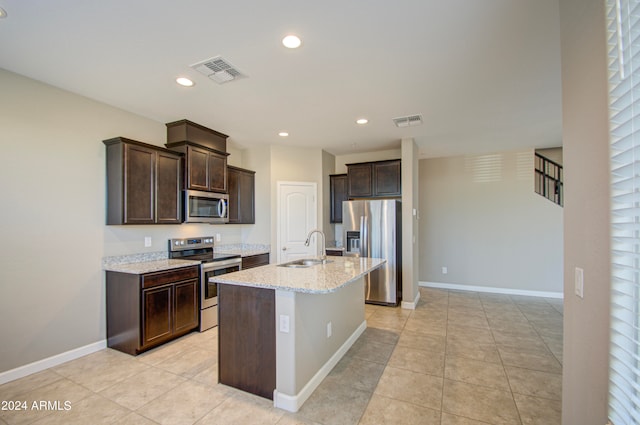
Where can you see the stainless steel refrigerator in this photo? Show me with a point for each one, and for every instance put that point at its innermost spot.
(373, 228)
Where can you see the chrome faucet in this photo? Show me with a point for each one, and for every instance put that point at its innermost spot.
(323, 257)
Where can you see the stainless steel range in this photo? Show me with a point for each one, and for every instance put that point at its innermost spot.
(212, 264)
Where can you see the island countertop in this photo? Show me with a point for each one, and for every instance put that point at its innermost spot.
(317, 279)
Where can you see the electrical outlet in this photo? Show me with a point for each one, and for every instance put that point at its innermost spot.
(284, 323)
(329, 331)
(147, 241)
(218, 238)
(445, 270)
(579, 282)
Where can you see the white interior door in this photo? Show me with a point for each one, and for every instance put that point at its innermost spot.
(297, 216)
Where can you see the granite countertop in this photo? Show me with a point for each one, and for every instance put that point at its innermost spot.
(149, 266)
(244, 250)
(318, 279)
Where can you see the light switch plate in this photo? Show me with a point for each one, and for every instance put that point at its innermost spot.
(284, 323)
(147, 241)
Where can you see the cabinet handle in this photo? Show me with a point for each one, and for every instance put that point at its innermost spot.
(284, 248)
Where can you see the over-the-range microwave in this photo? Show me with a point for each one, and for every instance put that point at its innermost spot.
(205, 207)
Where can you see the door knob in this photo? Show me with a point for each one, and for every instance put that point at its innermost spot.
(284, 248)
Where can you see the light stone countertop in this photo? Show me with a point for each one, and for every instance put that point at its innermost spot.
(318, 279)
(244, 250)
(150, 266)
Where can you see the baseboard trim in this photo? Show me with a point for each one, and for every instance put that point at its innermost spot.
(40, 365)
(492, 290)
(411, 305)
(292, 403)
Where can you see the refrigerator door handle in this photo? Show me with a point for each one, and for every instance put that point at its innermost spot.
(364, 236)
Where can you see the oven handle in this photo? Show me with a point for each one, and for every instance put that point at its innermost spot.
(222, 264)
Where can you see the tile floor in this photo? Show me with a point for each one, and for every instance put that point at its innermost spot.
(460, 358)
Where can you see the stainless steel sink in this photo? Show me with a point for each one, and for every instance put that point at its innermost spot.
(305, 262)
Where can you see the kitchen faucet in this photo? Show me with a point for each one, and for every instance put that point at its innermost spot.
(323, 257)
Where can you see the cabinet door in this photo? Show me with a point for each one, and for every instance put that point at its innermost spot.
(360, 180)
(233, 182)
(337, 194)
(186, 310)
(386, 178)
(247, 198)
(157, 308)
(217, 172)
(168, 186)
(197, 168)
(139, 184)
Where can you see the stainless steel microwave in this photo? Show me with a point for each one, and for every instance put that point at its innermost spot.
(205, 207)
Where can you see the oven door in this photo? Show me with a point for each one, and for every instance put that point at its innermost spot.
(209, 290)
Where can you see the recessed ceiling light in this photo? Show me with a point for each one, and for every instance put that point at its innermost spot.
(184, 82)
(283, 134)
(362, 121)
(291, 41)
(3, 13)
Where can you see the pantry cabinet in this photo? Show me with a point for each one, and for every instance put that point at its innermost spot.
(337, 194)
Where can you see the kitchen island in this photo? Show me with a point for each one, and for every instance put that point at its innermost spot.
(282, 330)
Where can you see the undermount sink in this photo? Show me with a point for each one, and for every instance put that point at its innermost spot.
(305, 262)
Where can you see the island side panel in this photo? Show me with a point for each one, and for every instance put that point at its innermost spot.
(247, 339)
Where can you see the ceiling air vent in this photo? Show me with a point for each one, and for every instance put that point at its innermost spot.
(218, 69)
(408, 121)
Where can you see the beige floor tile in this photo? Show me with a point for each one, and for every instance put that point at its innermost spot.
(387, 322)
(483, 336)
(295, 419)
(479, 403)
(60, 391)
(190, 363)
(471, 320)
(449, 419)
(208, 376)
(521, 342)
(461, 347)
(101, 370)
(420, 341)
(412, 387)
(370, 350)
(383, 410)
(357, 373)
(245, 409)
(184, 404)
(138, 390)
(92, 410)
(334, 404)
(535, 383)
(427, 362)
(164, 352)
(383, 336)
(11, 390)
(135, 419)
(476, 372)
(538, 411)
(430, 327)
(541, 360)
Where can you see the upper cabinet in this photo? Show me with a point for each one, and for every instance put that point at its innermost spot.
(205, 155)
(337, 194)
(241, 184)
(380, 179)
(143, 183)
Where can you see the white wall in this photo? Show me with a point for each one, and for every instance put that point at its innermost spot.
(53, 215)
(480, 218)
(410, 226)
(587, 199)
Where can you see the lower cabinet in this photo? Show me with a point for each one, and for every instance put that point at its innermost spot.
(252, 261)
(146, 310)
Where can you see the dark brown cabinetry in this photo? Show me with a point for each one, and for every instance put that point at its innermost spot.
(252, 261)
(380, 179)
(146, 310)
(338, 194)
(143, 183)
(335, 252)
(205, 169)
(241, 185)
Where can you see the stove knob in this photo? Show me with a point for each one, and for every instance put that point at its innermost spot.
(181, 242)
(177, 242)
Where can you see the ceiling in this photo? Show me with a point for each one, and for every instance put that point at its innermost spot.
(485, 75)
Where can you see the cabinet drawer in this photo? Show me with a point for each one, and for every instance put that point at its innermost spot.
(255, 261)
(160, 278)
